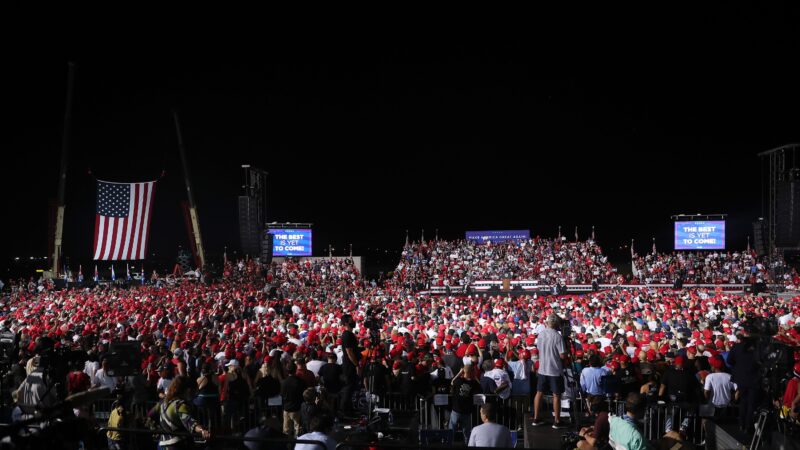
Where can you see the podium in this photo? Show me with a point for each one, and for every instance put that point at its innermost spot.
(506, 284)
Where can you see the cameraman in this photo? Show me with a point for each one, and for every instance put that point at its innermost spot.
(550, 377)
(744, 365)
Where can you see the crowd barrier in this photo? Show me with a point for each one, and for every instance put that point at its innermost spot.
(433, 413)
(148, 439)
(532, 286)
(435, 410)
(243, 418)
(415, 446)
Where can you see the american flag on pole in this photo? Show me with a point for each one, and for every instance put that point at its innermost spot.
(122, 223)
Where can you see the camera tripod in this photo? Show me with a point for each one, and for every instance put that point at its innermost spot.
(370, 375)
(572, 374)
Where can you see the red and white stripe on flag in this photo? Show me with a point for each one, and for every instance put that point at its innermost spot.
(122, 223)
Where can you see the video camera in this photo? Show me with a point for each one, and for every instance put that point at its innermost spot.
(374, 318)
(761, 326)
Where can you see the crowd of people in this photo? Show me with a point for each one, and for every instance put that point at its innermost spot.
(460, 262)
(295, 334)
(709, 267)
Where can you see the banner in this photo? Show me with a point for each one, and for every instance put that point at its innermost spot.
(498, 236)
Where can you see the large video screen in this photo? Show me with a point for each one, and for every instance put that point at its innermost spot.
(498, 236)
(700, 235)
(287, 242)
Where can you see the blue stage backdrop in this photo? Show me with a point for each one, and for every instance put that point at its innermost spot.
(291, 242)
(700, 235)
(498, 236)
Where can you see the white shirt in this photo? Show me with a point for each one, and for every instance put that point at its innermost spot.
(314, 366)
(448, 373)
(330, 444)
(90, 368)
(499, 376)
(163, 384)
(103, 380)
(721, 387)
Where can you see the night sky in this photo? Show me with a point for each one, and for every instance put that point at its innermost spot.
(461, 139)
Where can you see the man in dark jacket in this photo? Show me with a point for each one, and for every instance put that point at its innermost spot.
(292, 396)
(744, 373)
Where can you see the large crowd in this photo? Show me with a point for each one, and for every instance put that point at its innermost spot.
(460, 262)
(297, 333)
(710, 267)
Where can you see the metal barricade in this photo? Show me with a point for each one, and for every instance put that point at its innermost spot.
(102, 410)
(144, 438)
(662, 417)
(435, 411)
(398, 402)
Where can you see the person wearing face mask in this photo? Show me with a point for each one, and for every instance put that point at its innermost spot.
(175, 415)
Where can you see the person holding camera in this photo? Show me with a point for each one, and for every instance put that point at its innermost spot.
(550, 377)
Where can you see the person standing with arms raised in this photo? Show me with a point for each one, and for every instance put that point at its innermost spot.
(550, 378)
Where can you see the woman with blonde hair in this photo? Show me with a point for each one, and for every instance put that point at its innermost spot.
(175, 415)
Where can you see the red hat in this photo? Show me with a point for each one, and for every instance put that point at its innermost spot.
(499, 363)
(797, 368)
(679, 360)
(397, 365)
(716, 363)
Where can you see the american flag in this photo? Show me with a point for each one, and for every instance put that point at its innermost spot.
(122, 224)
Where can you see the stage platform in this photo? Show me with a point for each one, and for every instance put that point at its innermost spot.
(543, 437)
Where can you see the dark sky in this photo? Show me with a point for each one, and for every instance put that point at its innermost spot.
(459, 138)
